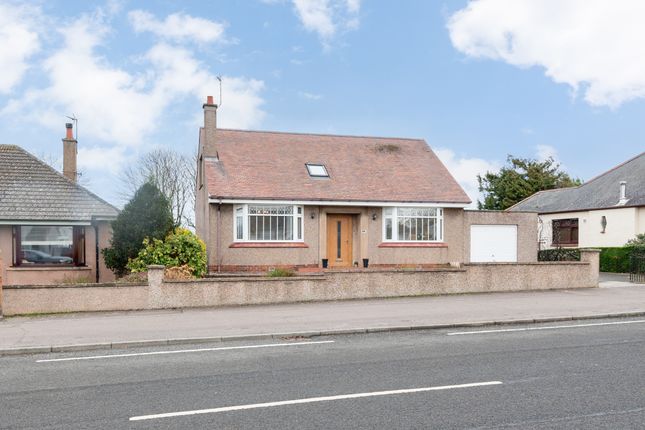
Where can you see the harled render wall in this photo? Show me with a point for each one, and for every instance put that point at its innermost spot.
(367, 240)
(33, 275)
(332, 285)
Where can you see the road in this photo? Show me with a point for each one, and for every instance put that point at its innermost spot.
(583, 374)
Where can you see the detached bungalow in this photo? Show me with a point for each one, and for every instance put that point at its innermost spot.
(607, 210)
(270, 199)
(51, 228)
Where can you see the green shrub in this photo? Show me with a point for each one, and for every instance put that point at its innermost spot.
(639, 240)
(179, 248)
(559, 254)
(146, 215)
(280, 273)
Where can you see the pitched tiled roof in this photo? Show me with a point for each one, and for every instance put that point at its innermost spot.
(600, 192)
(271, 165)
(30, 190)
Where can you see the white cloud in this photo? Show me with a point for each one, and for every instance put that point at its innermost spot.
(310, 96)
(178, 27)
(19, 40)
(465, 171)
(123, 108)
(327, 17)
(544, 152)
(94, 158)
(594, 46)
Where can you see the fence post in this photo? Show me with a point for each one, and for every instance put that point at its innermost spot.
(592, 256)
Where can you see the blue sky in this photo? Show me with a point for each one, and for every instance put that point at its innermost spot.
(477, 80)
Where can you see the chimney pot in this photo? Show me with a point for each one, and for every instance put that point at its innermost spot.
(209, 100)
(69, 134)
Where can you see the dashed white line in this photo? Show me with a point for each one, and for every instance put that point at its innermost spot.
(311, 400)
(553, 327)
(180, 351)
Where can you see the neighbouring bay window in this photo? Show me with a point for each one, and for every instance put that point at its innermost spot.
(279, 223)
(565, 232)
(36, 245)
(412, 224)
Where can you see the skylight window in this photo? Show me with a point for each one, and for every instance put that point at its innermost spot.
(317, 170)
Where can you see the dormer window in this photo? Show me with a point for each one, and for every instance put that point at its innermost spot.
(317, 170)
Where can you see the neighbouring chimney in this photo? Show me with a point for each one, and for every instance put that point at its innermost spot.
(623, 193)
(70, 149)
(210, 114)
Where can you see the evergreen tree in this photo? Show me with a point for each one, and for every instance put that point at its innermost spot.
(146, 215)
(519, 179)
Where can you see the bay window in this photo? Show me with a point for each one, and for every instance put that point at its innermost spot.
(412, 224)
(40, 245)
(268, 223)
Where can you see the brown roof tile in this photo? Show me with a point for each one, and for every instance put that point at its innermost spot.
(271, 165)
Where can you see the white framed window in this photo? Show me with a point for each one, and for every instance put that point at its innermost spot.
(412, 224)
(268, 223)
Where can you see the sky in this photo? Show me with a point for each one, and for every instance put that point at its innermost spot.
(478, 80)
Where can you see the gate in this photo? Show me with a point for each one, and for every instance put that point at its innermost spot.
(637, 266)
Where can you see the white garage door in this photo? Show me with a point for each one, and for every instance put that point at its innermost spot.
(493, 243)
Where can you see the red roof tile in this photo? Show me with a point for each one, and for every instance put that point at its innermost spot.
(271, 166)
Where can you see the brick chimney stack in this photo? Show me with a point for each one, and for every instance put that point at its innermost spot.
(210, 114)
(70, 149)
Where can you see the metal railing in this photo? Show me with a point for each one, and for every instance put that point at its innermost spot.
(637, 267)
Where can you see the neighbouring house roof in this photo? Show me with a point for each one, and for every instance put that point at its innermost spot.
(601, 192)
(30, 190)
(264, 165)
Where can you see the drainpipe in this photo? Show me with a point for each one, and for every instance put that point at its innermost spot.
(219, 233)
(96, 250)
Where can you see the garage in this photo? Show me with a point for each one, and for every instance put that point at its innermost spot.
(493, 243)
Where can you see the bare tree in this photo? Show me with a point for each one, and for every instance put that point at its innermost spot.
(173, 173)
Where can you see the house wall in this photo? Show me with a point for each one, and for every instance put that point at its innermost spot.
(253, 259)
(56, 275)
(527, 233)
(622, 225)
(333, 285)
(367, 240)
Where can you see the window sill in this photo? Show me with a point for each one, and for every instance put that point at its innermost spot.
(413, 245)
(565, 245)
(268, 245)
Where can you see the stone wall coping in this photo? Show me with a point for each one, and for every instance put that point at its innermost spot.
(530, 263)
(90, 285)
(396, 270)
(47, 269)
(254, 278)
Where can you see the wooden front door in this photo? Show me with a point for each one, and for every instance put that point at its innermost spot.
(339, 240)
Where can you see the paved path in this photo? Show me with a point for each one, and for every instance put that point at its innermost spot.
(72, 329)
(579, 376)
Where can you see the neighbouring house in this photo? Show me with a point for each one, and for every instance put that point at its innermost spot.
(606, 211)
(271, 199)
(51, 228)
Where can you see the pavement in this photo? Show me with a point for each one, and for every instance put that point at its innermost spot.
(572, 375)
(112, 330)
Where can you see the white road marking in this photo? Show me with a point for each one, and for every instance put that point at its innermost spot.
(553, 327)
(180, 351)
(311, 400)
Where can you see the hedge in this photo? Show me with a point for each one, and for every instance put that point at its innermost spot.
(559, 254)
(615, 260)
